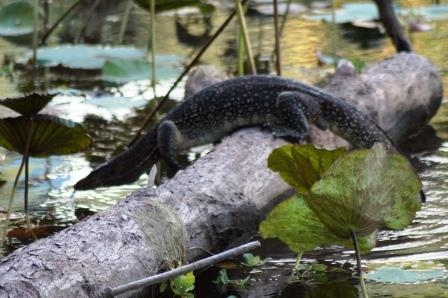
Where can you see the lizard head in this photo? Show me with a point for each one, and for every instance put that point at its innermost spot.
(117, 171)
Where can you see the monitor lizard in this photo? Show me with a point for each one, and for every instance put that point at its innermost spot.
(283, 105)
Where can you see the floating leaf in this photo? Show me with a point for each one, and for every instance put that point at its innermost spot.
(51, 135)
(301, 166)
(16, 18)
(294, 223)
(83, 56)
(27, 105)
(125, 70)
(349, 12)
(364, 190)
(398, 275)
(164, 5)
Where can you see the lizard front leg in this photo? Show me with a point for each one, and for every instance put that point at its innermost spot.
(294, 112)
(168, 137)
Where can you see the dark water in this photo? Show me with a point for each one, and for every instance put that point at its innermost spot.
(110, 112)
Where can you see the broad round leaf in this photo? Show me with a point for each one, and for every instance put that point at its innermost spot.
(301, 166)
(365, 190)
(119, 70)
(295, 224)
(83, 56)
(50, 135)
(16, 18)
(27, 105)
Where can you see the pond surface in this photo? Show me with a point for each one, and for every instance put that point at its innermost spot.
(111, 111)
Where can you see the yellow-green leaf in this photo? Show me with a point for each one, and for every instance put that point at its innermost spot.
(295, 224)
(365, 190)
(302, 165)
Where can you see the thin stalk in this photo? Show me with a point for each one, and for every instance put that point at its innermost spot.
(124, 22)
(282, 25)
(240, 53)
(11, 197)
(35, 34)
(186, 70)
(285, 17)
(335, 30)
(88, 18)
(26, 159)
(153, 46)
(243, 26)
(297, 264)
(358, 264)
(57, 22)
(278, 61)
(155, 279)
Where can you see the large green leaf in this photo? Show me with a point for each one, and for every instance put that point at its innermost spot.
(16, 18)
(301, 166)
(295, 224)
(27, 105)
(365, 190)
(51, 135)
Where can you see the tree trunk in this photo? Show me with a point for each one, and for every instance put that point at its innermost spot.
(218, 200)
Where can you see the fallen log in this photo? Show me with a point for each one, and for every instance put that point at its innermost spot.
(219, 199)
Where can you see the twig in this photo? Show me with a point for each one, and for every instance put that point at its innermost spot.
(186, 70)
(278, 62)
(185, 269)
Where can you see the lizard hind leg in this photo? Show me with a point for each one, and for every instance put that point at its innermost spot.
(294, 111)
(168, 137)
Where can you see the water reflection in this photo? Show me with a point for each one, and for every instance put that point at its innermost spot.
(112, 112)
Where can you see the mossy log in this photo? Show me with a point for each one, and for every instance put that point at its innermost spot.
(218, 200)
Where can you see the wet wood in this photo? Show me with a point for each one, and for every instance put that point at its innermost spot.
(218, 200)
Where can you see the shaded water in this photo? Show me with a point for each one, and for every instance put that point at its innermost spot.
(118, 109)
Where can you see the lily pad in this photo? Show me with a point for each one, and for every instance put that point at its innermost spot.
(301, 166)
(295, 224)
(83, 56)
(349, 12)
(51, 135)
(122, 70)
(398, 275)
(365, 190)
(164, 5)
(27, 105)
(16, 18)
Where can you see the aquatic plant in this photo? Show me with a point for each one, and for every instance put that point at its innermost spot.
(343, 198)
(37, 135)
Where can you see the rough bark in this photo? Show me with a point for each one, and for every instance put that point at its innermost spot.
(217, 200)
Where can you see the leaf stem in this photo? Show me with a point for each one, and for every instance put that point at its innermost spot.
(11, 198)
(297, 264)
(358, 264)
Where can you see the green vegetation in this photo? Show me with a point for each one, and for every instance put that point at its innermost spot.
(344, 198)
(37, 135)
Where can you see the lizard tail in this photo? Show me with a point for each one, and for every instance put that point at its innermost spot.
(126, 167)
